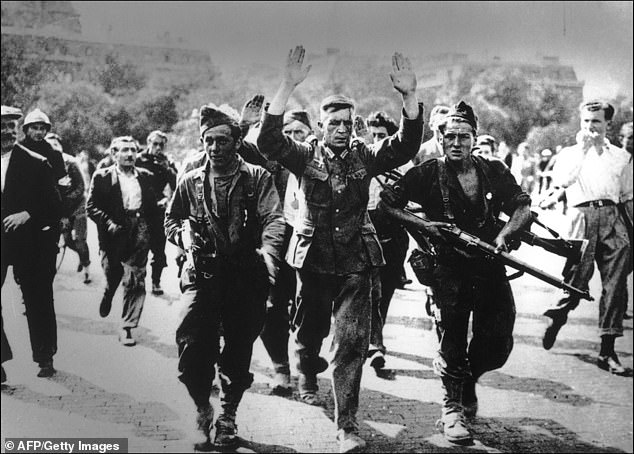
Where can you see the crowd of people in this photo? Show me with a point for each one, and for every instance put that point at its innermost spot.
(307, 224)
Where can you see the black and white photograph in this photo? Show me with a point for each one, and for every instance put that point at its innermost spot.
(317, 226)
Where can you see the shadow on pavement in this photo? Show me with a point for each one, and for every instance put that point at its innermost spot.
(144, 419)
(567, 344)
(592, 359)
(143, 335)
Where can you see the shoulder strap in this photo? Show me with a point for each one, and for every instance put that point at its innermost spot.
(444, 190)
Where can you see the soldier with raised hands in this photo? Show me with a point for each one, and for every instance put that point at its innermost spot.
(334, 245)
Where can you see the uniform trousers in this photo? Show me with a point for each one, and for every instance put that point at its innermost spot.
(347, 297)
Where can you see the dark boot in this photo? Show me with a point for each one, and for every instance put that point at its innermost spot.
(204, 420)
(452, 419)
(469, 398)
(226, 428)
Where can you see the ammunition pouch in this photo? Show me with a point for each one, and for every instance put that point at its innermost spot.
(423, 262)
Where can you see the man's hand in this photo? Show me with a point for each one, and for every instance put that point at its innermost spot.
(361, 129)
(271, 265)
(252, 110)
(500, 244)
(586, 139)
(294, 73)
(15, 220)
(432, 229)
(402, 75)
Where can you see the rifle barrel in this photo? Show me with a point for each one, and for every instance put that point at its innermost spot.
(507, 259)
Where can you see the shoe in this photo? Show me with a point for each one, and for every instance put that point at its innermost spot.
(377, 360)
(125, 337)
(204, 420)
(282, 384)
(454, 429)
(46, 369)
(308, 387)
(87, 279)
(156, 289)
(350, 441)
(226, 432)
(611, 364)
(105, 306)
(627, 315)
(79, 268)
(469, 399)
(557, 320)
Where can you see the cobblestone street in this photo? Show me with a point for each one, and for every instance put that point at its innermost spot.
(540, 401)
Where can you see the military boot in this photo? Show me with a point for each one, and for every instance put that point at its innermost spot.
(452, 420)
(226, 428)
(204, 419)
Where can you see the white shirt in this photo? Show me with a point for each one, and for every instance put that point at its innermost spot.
(130, 190)
(593, 176)
(5, 165)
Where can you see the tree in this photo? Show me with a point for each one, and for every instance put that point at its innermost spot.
(151, 111)
(78, 113)
(20, 76)
(120, 78)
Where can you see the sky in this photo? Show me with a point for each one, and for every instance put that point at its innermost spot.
(594, 37)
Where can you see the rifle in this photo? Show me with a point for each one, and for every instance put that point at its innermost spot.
(572, 250)
(472, 241)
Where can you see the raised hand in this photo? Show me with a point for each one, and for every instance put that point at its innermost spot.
(252, 110)
(361, 129)
(294, 72)
(402, 75)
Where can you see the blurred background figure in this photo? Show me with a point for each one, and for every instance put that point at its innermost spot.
(74, 223)
(486, 146)
(544, 168)
(432, 148)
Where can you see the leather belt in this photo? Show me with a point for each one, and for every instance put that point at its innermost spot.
(133, 213)
(596, 204)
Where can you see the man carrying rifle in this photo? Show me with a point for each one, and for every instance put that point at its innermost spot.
(469, 192)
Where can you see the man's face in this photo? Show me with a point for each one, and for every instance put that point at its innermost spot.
(296, 130)
(337, 128)
(594, 122)
(626, 138)
(9, 134)
(36, 131)
(378, 133)
(221, 147)
(125, 154)
(457, 140)
(156, 145)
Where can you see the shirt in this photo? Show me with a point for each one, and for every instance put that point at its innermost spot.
(5, 165)
(130, 190)
(593, 176)
(626, 182)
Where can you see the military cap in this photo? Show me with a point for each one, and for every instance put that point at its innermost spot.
(212, 116)
(299, 115)
(339, 102)
(464, 112)
(11, 112)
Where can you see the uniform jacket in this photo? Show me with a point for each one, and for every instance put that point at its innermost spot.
(30, 187)
(333, 195)
(105, 203)
(255, 216)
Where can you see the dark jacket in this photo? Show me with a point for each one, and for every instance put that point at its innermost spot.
(333, 195)
(105, 203)
(30, 187)
(162, 169)
(73, 193)
(55, 159)
(255, 215)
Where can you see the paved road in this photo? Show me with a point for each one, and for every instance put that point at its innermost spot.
(556, 401)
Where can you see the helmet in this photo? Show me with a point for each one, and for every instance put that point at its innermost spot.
(36, 116)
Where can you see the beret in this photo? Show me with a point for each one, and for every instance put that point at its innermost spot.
(464, 112)
(212, 116)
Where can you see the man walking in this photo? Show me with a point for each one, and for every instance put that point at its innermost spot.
(30, 210)
(334, 244)
(123, 205)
